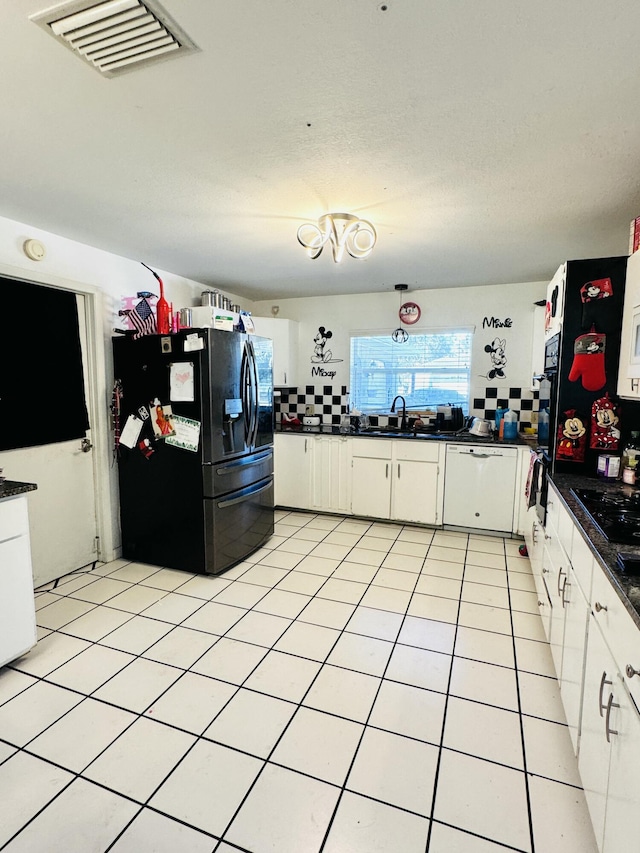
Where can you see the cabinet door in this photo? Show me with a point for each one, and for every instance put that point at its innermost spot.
(415, 492)
(292, 471)
(371, 487)
(555, 577)
(17, 608)
(284, 334)
(623, 794)
(595, 751)
(573, 653)
(629, 367)
(331, 474)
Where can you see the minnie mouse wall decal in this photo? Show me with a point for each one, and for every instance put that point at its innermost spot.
(496, 350)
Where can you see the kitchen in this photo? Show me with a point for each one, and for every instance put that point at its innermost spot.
(102, 273)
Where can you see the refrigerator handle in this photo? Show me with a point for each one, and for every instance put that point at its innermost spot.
(253, 393)
(244, 386)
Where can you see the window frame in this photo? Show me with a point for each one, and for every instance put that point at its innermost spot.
(383, 406)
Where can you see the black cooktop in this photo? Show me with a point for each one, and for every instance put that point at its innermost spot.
(617, 516)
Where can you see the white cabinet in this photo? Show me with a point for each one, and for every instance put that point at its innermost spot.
(629, 369)
(331, 473)
(292, 470)
(284, 334)
(17, 606)
(554, 308)
(609, 749)
(312, 472)
(537, 346)
(397, 480)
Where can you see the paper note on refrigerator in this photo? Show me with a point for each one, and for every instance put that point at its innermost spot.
(131, 431)
(187, 434)
(181, 382)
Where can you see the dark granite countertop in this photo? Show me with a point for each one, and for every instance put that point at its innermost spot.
(627, 586)
(374, 432)
(11, 488)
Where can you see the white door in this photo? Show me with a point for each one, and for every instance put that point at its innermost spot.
(62, 510)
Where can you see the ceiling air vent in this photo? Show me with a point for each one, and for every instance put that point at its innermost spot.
(117, 36)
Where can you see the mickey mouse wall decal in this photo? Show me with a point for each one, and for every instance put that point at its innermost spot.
(322, 355)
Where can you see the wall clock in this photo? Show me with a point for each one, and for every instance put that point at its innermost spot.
(409, 313)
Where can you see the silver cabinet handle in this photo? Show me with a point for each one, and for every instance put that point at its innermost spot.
(630, 671)
(545, 571)
(560, 573)
(398, 470)
(565, 601)
(546, 536)
(598, 607)
(608, 731)
(386, 471)
(603, 681)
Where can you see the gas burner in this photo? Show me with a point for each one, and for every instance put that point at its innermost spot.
(616, 515)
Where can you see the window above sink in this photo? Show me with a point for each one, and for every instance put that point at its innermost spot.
(430, 369)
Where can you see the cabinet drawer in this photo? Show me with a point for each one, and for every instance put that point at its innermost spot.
(14, 518)
(620, 632)
(416, 450)
(372, 448)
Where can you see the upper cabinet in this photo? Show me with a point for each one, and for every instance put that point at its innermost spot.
(284, 334)
(555, 303)
(537, 345)
(629, 372)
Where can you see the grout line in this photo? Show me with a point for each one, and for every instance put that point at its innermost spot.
(321, 664)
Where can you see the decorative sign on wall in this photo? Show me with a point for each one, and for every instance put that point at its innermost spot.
(495, 323)
(496, 350)
(323, 355)
(409, 313)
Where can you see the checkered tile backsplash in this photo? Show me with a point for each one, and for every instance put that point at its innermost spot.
(328, 402)
(522, 401)
(331, 402)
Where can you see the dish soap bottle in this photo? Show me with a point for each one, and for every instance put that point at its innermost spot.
(510, 419)
(543, 427)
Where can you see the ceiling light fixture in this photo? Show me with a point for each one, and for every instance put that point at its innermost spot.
(343, 231)
(400, 336)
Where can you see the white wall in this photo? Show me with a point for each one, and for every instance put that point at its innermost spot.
(463, 307)
(81, 268)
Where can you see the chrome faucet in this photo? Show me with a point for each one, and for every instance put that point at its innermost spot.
(403, 421)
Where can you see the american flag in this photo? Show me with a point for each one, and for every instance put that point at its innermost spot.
(143, 319)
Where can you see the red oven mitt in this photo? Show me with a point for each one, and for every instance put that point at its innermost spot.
(588, 361)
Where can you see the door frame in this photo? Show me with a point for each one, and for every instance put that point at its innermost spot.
(97, 391)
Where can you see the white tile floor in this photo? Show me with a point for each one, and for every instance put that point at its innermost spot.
(354, 687)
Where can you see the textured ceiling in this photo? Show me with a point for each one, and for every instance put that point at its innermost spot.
(486, 141)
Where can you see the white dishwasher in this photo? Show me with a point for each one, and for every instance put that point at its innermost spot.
(479, 486)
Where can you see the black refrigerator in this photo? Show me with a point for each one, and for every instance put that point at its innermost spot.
(586, 417)
(194, 446)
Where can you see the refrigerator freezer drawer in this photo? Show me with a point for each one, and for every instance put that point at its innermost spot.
(224, 477)
(237, 524)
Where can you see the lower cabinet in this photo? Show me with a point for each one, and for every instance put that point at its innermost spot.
(576, 618)
(331, 473)
(17, 607)
(397, 480)
(292, 470)
(312, 472)
(596, 651)
(609, 749)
